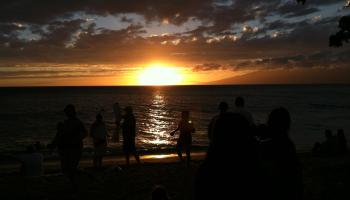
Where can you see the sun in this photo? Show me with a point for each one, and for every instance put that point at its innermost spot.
(160, 74)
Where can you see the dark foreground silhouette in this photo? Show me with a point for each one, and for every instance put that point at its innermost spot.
(230, 168)
(269, 171)
(69, 142)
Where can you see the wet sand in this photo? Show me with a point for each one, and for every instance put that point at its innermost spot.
(324, 178)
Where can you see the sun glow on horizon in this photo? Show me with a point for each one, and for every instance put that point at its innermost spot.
(159, 74)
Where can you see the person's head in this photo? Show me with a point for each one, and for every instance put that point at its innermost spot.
(328, 134)
(185, 114)
(239, 102)
(99, 117)
(128, 110)
(223, 107)
(279, 120)
(159, 193)
(69, 110)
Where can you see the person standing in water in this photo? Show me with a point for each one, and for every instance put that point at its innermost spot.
(118, 118)
(129, 134)
(99, 134)
(186, 129)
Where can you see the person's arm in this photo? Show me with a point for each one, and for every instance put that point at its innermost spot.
(173, 132)
(192, 126)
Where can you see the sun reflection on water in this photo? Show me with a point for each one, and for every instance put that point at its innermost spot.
(158, 126)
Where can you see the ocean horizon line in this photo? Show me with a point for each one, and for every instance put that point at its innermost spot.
(193, 85)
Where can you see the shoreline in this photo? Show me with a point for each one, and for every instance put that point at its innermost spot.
(51, 164)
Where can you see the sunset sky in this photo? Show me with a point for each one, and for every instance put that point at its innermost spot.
(146, 42)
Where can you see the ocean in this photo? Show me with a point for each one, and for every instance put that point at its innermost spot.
(30, 114)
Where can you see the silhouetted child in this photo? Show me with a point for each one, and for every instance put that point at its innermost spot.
(342, 143)
(99, 134)
(129, 134)
(159, 193)
(282, 170)
(186, 129)
(223, 107)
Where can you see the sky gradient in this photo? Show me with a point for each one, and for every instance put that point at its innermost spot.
(52, 43)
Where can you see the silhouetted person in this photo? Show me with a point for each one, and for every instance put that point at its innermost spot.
(159, 193)
(316, 150)
(240, 109)
(31, 162)
(282, 170)
(223, 108)
(129, 134)
(329, 146)
(184, 141)
(69, 142)
(230, 169)
(117, 117)
(342, 143)
(98, 132)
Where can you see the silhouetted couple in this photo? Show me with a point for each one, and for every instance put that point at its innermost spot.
(69, 142)
(99, 134)
(273, 173)
(333, 145)
(184, 142)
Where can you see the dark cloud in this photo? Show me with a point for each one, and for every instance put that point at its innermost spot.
(208, 67)
(295, 10)
(42, 11)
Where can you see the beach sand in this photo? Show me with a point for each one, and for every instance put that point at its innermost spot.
(324, 178)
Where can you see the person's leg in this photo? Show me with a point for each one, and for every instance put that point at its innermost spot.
(74, 163)
(188, 154)
(127, 157)
(137, 157)
(179, 149)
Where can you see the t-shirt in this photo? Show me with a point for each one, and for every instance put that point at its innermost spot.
(186, 127)
(98, 131)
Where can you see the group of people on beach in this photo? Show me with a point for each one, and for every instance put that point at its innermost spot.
(251, 157)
